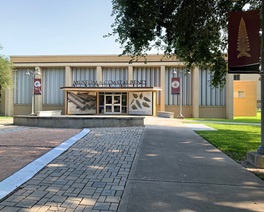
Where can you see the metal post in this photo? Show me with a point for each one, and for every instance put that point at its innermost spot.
(261, 147)
(33, 95)
(33, 73)
(180, 116)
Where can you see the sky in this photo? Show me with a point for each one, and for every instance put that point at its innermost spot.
(56, 27)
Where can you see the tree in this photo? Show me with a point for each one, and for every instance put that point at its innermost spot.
(193, 31)
(6, 73)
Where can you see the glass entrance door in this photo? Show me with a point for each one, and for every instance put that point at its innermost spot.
(112, 104)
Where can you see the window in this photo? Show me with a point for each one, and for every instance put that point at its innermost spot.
(241, 94)
(237, 77)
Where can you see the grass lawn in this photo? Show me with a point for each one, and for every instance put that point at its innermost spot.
(233, 139)
(5, 117)
(249, 119)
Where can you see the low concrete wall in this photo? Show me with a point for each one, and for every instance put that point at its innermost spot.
(49, 113)
(165, 114)
(54, 107)
(79, 122)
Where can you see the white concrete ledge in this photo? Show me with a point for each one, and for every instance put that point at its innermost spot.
(165, 114)
(49, 113)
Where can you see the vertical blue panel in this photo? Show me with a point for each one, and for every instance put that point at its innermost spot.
(53, 79)
(114, 74)
(85, 73)
(22, 87)
(210, 96)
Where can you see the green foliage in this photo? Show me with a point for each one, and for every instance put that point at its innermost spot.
(194, 31)
(6, 73)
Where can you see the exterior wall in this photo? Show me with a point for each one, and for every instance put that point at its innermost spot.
(205, 112)
(187, 111)
(22, 109)
(229, 96)
(212, 112)
(157, 72)
(2, 103)
(26, 109)
(195, 91)
(252, 77)
(54, 107)
(158, 108)
(245, 98)
(103, 60)
(9, 102)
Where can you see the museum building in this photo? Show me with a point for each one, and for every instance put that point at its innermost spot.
(109, 84)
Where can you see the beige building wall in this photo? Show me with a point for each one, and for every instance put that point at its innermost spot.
(212, 112)
(195, 92)
(2, 103)
(187, 111)
(9, 102)
(256, 78)
(245, 98)
(194, 110)
(162, 92)
(229, 96)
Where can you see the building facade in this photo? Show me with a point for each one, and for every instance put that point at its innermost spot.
(109, 84)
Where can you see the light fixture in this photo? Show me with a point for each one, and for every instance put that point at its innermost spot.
(28, 72)
(174, 71)
(37, 72)
(33, 73)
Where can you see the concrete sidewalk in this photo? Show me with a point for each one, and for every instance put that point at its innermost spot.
(176, 170)
(162, 167)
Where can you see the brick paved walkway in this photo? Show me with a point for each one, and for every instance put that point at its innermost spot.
(11, 128)
(90, 176)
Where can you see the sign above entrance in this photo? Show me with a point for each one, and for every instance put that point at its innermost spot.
(109, 83)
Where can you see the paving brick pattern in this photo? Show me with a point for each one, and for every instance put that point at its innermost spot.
(90, 176)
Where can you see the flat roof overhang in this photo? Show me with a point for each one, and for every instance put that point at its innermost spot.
(112, 89)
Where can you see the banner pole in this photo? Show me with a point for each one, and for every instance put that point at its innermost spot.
(261, 147)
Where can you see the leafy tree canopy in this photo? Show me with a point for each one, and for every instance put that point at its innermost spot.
(194, 31)
(6, 72)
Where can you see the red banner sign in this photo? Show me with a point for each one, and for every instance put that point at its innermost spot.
(244, 42)
(175, 85)
(37, 87)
